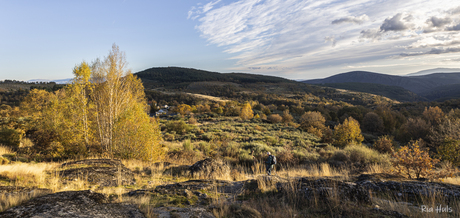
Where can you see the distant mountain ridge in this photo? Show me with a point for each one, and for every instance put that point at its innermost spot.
(436, 70)
(426, 86)
(59, 81)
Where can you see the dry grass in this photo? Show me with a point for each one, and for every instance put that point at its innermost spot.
(144, 204)
(269, 204)
(375, 168)
(314, 170)
(5, 150)
(11, 200)
(414, 208)
(453, 180)
(27, 174)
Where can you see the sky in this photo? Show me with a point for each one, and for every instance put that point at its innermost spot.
(294, 39)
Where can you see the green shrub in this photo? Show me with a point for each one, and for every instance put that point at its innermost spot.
(364, 155)
(231, 149)
(169, 137)
(245, 156)
(304, 156)
(259, 148)
(301, 143)
(208, 136)
(187, 145)
(180, 127)
(340, 155)
(271, 140)
(10, 137)
(205, 148)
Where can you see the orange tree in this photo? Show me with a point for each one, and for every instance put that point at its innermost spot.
(410, 160)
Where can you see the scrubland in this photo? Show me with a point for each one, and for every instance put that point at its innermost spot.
(241, 146)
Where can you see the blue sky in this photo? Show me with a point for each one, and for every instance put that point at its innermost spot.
(295, 39)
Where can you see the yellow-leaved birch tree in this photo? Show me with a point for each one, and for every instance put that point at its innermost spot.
(82, 109)
(104, 107)
(123, 125)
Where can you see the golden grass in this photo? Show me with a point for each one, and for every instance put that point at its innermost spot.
(452, 180)
(44, 175)
(414, 209)
(11, 200)
(27, 174)
(314, 170)
(375, 168)
(144, 204)
(5, 150)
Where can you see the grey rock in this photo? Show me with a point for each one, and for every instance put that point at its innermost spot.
(79, 204)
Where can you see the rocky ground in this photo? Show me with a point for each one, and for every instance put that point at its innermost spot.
(80, 204)
(199, 197)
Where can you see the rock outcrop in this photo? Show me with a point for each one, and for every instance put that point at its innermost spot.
(76, 204)
(102, 172)
(210, 168)
(410, 189)
(325, 188)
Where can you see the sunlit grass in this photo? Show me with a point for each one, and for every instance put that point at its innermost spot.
(27, 174)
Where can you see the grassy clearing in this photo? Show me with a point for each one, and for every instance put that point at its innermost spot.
(27, 174)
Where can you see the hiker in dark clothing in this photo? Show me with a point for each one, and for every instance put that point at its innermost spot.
(270, 162)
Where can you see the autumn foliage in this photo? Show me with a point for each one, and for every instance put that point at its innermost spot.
(103, 110)
(348, 132)
(313, 122)
(412, 161)
(246, 112)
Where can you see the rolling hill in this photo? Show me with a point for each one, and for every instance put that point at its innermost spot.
(234, 85)
(424, 87)
(179, 77)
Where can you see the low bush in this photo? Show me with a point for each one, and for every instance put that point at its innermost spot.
(384, 144)
(179, 126)
(274, 118)
(205, 148)
(187, 145)
(340, 156)
(363, 155)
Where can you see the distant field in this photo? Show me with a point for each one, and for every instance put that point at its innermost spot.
(212, 98)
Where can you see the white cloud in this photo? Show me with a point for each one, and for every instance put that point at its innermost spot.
(195, 12)
(351, 19)
(290, 35)
(331, 39)
(432, 51)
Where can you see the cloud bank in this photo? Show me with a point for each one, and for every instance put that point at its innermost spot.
(294, 38)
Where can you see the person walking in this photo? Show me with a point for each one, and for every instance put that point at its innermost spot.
(270, 163)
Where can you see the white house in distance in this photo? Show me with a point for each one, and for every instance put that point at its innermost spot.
(163, 110)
